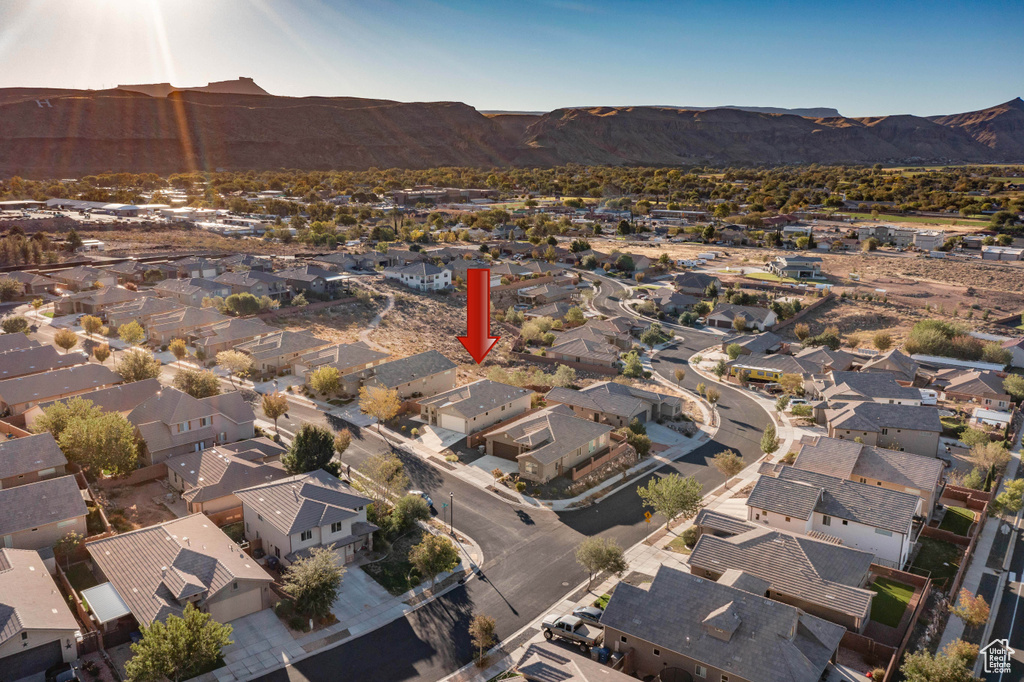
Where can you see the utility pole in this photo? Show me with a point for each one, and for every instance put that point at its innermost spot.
(451, 515)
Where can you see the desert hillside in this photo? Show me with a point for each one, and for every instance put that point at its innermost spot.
(49, 132)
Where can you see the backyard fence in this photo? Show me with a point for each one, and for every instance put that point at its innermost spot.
(584, 468)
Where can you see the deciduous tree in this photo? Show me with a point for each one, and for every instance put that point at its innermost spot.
(101, 352)
(137, 364)
(66, 339)
(380, 403)
(91, 324)
(728, 463)
(769, 440)
(433, 555)
(387, 473)
(311, 449)
(178, 648)
(178, 348)
(198, 383)
(274, 406)
(972, 610)
(598, 554)
(14, 324)
(325, 380)
(101, 442)
(235, 363)
(131, 333)
(481, 632)
(314, 581)
(672, 496)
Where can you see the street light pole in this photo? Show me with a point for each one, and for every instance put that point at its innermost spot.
(451, 514)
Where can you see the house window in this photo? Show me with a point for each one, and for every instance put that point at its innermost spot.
(531, 468)
(826, 520)
(886, 533)
(622, 639)
(863, 480)
(725, 678)
(234, 585)
(787, 519)
(204, 421)
(700, 671)
(885, 432)
(336, 527)
(845, 522)
(306, 535)
(657, 652)
(24, 636)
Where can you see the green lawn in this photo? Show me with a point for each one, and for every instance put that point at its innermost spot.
(602, 601)
(49, 314)
(679, 545)
(395, 573)
(957, 520)
(938, 558)
(235, 531)
(891, 601)
(770, 277)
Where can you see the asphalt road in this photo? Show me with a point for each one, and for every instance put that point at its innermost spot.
(1009, 622)
(529, 554)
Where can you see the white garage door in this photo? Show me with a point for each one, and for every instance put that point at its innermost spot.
(453, 423)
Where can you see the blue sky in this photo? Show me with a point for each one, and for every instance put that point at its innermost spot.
(863, 58)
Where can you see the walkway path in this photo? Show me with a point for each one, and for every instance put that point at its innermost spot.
(364, 335)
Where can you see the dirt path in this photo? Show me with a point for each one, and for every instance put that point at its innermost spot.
(364, 335)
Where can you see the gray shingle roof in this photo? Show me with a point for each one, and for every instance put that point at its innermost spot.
(870, 505)
(404, 370)
(892, 361)
(18, 363)
(29, 598)
(152, 566)
(794, 565)
(9, 342)
(587, 349)
(970, 383)
(871, 416)
(868, 386)
(747, 312)
(47, 385)
(343, 356)
(38, 504)
(120, 398)
(847, 459)
(770, 641)
(755, 343)
(611, 398)
(26, 455)
(302, 502)
(213, 473)
(476, 398)
(280, 343)
(231, 331)
(553, 432)
(186, 318)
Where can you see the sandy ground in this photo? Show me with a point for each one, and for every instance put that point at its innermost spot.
(137, 503)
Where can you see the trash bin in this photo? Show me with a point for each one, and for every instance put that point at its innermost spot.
(603, 654)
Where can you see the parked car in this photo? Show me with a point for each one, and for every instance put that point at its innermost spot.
(572, 629)
(588, 614)
(797, 401)
(62, 672)
(426, 497)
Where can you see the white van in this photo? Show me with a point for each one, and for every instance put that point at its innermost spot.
(928, 396)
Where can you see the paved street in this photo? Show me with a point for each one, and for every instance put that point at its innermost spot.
(529, 554)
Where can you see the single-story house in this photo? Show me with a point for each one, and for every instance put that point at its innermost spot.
(37, 515)
(18, 363)
(208, 479)
(824, 579)
(476, 406)
(93, 302)
(617, 404)
(549, 443)
(345, 357)
(121, 398)
(585, 352)
(725, 314)
(315, 280)
(211, 339)
(34, 284)
(901, 366)
(672, 302)
(274, 353)
(696, 283)
(879, 387)
(546, 293)
(141, 310)
(257, 283)
(724, 631)
(181, 323)
(973, 386)
(295, 514)
(82, 277)
(191, 291)
(157, 571)
(423, 374)
(765, 343)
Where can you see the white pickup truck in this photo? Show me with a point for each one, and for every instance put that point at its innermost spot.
(572, 629)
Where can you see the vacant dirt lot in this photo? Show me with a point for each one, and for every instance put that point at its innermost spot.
(136, 502)
(140, 242)
(337, 325)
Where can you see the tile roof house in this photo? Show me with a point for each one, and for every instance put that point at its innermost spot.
(36, 359)
(82, 277)
(547, 662)
(93, 302)
(822, 578)
(476, 406)
(158, 570)
(172, 422)
(546, 293)
(585, 353)
(191, 267)
(549, 443)
(37, 629)
(695, 283)
(33, 283)
(344, 357)
(724, 314)
(256, 283)
(420, 276)
(617, 404)
(902, 367)
(37, 515)
(274, 353)
(914, 428)
(141, 310)
(828, 359)
(121, 398)
(30, 459)
(181, 323)
(765, 343)
(191, 291)
(423, 374)
(672, 302)
(213, 338)
(866, 517)
(313, 279)
(21, 393)
(879, 387)
(892, 469)
(614, 331)
(974, 386)
(716, 631)
(295, 514)
(9, 342)
(207, 480)
(556, 311)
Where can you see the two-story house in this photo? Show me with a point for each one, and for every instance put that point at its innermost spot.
(423, 374)
(256, 283)
(172, 422)
(870, 518)
(973, 386)
(192, 291)
(914, 428)
(617, 404)
(207, 480)
(796, 267)
(295, 514)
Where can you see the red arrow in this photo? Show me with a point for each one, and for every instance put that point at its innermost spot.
(478, 340)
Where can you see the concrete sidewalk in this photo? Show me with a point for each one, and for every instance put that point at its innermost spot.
(977, 568)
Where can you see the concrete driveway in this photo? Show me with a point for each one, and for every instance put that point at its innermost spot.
(359, 596)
